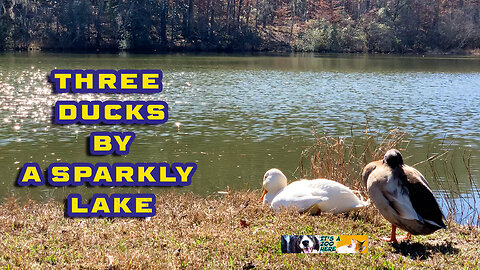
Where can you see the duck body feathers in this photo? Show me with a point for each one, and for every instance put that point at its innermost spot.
(315, 195)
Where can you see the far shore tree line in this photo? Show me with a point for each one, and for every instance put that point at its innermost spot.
(384, 26)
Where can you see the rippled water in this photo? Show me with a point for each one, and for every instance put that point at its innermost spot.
(237, 116)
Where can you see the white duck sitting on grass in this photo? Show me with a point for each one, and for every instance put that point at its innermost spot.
(313, 196)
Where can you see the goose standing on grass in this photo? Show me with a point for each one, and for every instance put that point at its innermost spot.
(402, 196)
(313, 196)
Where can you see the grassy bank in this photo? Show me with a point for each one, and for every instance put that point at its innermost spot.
(224, 231)
(233, 230)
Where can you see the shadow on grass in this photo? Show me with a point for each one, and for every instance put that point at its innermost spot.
(423, 251)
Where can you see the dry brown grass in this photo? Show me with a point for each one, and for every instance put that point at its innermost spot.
(343, 159)
(459, 204)
(230, 231)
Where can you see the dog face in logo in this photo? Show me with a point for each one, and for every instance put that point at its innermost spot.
(355, 247)
(304, 244)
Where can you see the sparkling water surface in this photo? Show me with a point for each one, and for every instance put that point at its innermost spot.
(238, 115)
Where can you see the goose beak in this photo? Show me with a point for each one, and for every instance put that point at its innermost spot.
(263, 195)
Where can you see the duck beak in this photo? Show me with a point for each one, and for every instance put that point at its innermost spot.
(263, 195)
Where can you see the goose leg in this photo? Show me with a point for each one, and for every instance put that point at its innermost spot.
(406, 237)
(393, 237)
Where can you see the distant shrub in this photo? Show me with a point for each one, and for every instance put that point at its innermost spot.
(5, 26)
(351, 37)
(456, 30)
(316, 37)
(322, 35)
(379, 32)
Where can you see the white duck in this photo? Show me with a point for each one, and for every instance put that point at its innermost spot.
(313, 196)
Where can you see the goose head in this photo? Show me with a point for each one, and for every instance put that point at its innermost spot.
(393, 158)
(273, 181)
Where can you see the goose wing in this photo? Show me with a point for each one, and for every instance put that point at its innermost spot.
(298, 194)
(339, 198)
(302, 203)
(368, 170)
(422, 198)
(399, 201)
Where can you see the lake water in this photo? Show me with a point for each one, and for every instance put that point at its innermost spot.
(241, 115)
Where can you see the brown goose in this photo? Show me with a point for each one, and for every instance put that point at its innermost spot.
(402, 196)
